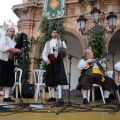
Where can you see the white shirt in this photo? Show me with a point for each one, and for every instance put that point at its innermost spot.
(53, 43)
(82, 64)
(5, 44)
(117, 66)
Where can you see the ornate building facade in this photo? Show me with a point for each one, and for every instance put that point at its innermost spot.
(30, 14)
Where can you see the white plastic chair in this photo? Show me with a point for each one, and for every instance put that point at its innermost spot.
(110, 74)
(93, 93)
(38, 80)
(18, 75)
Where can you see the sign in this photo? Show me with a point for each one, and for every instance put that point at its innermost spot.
(53, 9)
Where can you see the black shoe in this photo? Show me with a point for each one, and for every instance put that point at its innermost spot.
(51, 99)
(85, 101)
(8, 100)
(107, 100)
(60, 102)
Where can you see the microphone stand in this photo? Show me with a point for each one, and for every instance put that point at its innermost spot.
(23, 69)
(69, 103)
(23, 79)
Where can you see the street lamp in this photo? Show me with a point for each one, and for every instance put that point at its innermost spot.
(95, 15)
(111, 19)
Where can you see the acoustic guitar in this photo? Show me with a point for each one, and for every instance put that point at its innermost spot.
(92, 63)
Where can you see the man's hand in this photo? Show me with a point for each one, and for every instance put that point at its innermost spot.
(103, 60)
(18, 50)
(48, 62)
(15, 50)
(89, 61)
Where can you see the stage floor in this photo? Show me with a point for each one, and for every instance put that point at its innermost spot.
(82, 112)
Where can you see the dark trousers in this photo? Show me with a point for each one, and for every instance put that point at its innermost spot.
(85, 82)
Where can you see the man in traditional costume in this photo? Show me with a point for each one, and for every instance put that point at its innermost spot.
(7, 75)
(92, 72)
(55, 72)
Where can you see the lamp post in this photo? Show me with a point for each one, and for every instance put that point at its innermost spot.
(111, 19)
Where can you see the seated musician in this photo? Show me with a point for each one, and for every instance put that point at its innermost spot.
(92, 72)
(55, 72)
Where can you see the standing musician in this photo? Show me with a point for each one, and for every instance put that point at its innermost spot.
(55, 72)
(7, 50)
(92, 72)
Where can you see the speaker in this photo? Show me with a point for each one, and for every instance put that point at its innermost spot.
(27, 91)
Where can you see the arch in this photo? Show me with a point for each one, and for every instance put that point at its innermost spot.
(113, 44)
(112, 35)
(77, 36)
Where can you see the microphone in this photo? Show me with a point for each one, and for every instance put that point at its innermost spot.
(112, 52)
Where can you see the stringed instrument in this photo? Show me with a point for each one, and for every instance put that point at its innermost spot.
(92, 64)
(59, 52)
(89, 65)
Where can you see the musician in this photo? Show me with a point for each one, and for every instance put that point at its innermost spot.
(92, 72)
(55, 72)
(7, 51)
(117, 66)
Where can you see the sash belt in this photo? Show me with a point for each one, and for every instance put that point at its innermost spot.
(52, 57)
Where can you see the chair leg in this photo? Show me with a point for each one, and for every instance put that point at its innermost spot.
(20, 88)
(43, 91)
(118, 95)
(16, 91)
(88, 95)
(93, 93)
(102, 93)
(37, 91)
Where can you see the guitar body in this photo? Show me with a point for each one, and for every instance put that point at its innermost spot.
(89, 65)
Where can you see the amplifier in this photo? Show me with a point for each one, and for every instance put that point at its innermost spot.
(27, 91)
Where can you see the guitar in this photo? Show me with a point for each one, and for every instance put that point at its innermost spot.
(92, 63)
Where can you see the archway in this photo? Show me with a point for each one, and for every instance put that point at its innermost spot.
(74, 47)
(114, 44)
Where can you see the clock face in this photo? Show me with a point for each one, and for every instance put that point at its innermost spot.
(0, 35)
